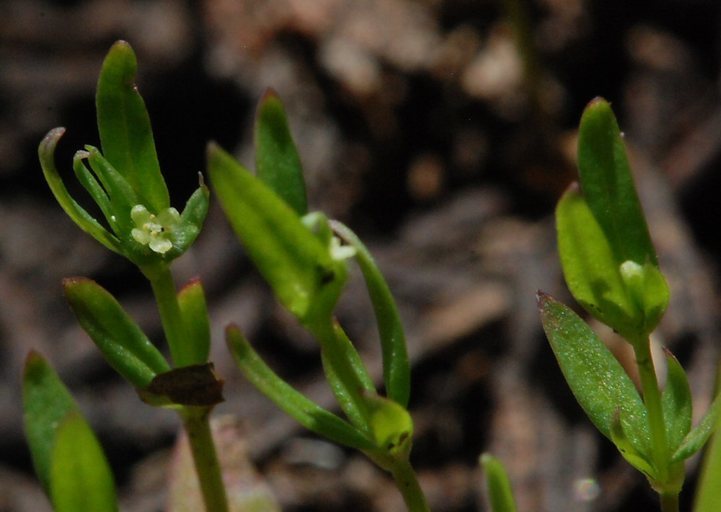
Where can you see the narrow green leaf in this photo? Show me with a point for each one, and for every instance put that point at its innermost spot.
(396, 369)
(500, 493)
(276, 157)
(46, 401)
(697, 437)
(77, 213)
(596, 378)
(345, 372)
(96, 191)
(676, 403)
(125, 132)
(118, 337)
(303, 410)
(121, 194)
(293, 261)
(194, 309)
(608, 185)
(81, 477)
(708, 492)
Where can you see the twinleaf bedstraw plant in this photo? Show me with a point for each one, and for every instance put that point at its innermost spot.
(302, 255)
(125, 182)
(611, 269)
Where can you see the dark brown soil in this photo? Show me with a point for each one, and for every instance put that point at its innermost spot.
(422, 128)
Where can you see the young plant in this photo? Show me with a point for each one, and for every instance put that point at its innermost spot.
(125, 182)
(611, 269)
(303, 256)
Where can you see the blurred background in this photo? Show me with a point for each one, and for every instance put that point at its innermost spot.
(443, 132)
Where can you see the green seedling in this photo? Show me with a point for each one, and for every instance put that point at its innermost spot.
(303, 257)
(138, 222)
(611, 269)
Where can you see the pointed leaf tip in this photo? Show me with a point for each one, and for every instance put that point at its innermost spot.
(541, 298)
(276, 156)
(269, 94)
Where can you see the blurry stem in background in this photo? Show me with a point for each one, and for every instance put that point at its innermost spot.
(407, 483)
(518, 16)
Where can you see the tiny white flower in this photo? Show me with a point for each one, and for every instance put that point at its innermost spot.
(154, 230)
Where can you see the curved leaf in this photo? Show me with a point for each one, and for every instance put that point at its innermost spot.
(77, 213)
(396, 368)
(298, 406)
(500, 493)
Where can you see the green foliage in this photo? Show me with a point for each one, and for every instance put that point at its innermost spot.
(67, 457)
(303, 259)
(125, 179)
(676, 402)
(122, 342)
(396, 368)
(608, 259)
(611, 269)
(298, 253)
(498, 484)
(597, 380)
(708, 493)
(194, 310)
(302, 409)
(125, 132)
(46, 401)
(296, 264)
(276, 158)
(80, 475)
(699, 435)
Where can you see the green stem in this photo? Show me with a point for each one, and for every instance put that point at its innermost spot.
(197, 427)
(652, 400)
(345, 371)
(407, 483)
(195, 419)
(166, 297)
